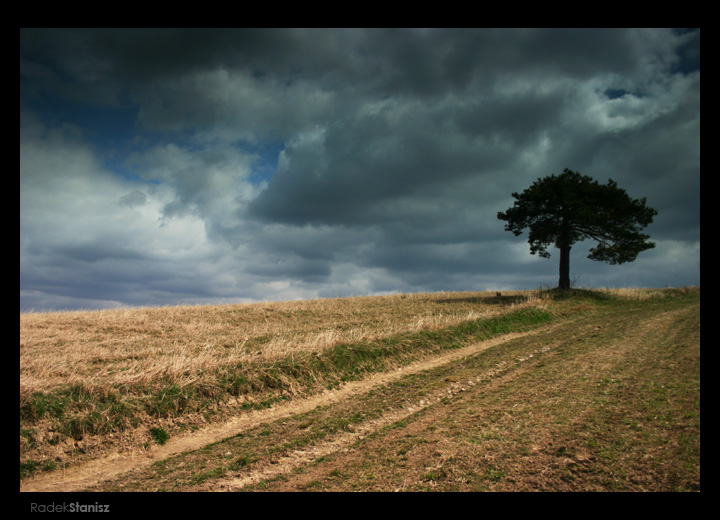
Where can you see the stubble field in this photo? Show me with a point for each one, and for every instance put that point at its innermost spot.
(534, 390)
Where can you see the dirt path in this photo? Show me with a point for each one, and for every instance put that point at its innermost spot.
(116, 464)
(300, 457)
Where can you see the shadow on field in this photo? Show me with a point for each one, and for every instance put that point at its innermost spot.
(566, 294)
(549, 294)
(487, 300)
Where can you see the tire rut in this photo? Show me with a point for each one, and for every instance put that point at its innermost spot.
(298, 458)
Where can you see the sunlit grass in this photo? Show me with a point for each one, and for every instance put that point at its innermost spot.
(139, 346)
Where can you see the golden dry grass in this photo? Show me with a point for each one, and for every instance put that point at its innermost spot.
(183, 343)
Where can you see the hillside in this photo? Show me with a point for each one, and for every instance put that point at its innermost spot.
(592, 390)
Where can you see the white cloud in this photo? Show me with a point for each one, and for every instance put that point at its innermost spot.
(72, 220)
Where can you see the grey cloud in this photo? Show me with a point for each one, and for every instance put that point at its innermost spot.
(97, 251)
(350, 171)
(147, 64)
(288, 266)
(516, 118)
(133, 199)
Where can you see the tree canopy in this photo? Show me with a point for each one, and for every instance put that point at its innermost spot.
(563, 209)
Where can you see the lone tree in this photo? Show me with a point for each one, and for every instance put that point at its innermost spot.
(566, 208)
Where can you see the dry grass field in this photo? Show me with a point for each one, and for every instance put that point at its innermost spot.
(180, 344)
(119, 381)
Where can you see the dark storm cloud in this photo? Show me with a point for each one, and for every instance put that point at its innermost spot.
(160, 165)
(142, 55)
(368, 168)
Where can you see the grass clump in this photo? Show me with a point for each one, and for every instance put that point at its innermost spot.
(159, 435)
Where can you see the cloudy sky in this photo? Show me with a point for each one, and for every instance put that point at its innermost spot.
(163, 167)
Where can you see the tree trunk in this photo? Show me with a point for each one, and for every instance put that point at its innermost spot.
(564, 245)
(564, 282)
